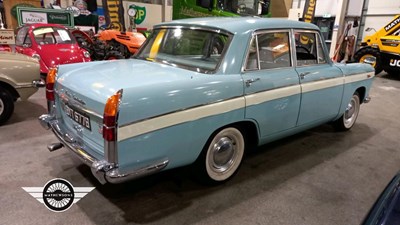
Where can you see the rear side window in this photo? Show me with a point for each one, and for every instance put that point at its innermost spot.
(269, 50)
(309, 49)
(22, 37)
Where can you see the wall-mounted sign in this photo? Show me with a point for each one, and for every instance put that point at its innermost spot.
(309, 10)
(7, 37)
(140, 14)
(37, 15)
(114, 14)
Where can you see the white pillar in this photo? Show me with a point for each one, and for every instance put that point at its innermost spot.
(339, 26)
(164, 10)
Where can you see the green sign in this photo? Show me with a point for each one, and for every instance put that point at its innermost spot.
(26, 15)
(140, 14)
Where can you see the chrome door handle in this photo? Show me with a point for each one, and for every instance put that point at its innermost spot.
(250, 81)
(302, 75)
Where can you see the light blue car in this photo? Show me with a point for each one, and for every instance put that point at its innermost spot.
(201, 91)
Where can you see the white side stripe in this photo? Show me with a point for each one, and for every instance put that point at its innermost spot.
(359, 77)
(265, 96)
(322, 84)
(179, 117)
(152, 124)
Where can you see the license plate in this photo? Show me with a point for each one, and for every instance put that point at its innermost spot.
(77, 116)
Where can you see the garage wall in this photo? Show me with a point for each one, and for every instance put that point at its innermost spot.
(379, 13)
(326, 7)
(153, 14)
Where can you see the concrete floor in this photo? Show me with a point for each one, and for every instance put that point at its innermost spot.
(316, 177)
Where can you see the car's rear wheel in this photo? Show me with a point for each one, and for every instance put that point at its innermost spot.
(349, 117)
(221, 156)
(6, 105)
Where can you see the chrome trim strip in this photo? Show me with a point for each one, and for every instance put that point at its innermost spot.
(72, 146)
(320, 40)
(254, 36)
(115, 176)
(111, 147)
(190, 67)
(220, 31)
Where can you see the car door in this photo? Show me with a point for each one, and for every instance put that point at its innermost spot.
(321, 81)
(272, 89)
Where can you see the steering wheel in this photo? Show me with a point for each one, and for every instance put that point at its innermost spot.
(303, 48)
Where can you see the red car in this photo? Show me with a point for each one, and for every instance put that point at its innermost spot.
(51, 44)
(5, 48)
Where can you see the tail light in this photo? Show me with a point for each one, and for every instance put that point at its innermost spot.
(110, 116)
(50, 80)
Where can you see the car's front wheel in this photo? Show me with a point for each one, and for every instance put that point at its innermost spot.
(6, 105)
(349, 117)
(221, 157)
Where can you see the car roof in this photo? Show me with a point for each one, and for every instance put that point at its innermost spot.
(240, 24)
(36, 25)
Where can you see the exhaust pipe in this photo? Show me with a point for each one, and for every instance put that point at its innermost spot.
(54, 146)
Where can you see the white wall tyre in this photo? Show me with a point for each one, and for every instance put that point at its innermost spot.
(222, 156)
(349, 117)
(6, 105)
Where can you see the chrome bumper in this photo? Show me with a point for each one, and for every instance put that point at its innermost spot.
(101, 169)
(39, 83)
(367, 99)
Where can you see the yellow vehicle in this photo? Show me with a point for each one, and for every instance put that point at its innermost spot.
(382, 49)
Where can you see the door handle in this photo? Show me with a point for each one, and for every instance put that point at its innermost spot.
(250, 81)
(302, 75)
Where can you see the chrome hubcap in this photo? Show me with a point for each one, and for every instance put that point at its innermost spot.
(223, 154)
(350, 114)
(1, 107)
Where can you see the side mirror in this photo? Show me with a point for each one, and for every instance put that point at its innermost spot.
(369, 29)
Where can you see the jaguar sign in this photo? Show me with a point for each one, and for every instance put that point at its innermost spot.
(36, 15)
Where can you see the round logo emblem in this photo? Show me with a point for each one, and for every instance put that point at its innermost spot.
(58, 195)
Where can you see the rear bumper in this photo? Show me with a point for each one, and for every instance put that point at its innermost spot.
(367, 99)
(39, 83)
(104, 171)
